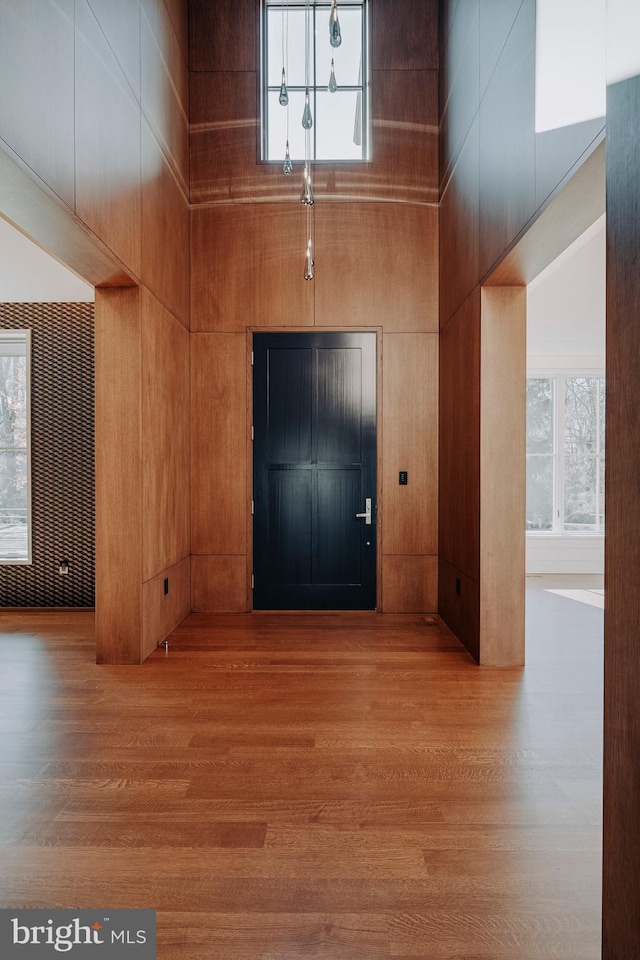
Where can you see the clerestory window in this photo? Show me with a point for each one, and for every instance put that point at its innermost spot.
(295, 38)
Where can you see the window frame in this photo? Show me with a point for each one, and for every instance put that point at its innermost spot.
(8, 336)
(318, 9)
(559, 378)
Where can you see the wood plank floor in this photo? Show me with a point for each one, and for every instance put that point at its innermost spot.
(328, 787)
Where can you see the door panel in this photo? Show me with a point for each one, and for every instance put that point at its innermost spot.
(314, 467)
(338, 551)
(289, 413)
(339, 406)
(290, 511)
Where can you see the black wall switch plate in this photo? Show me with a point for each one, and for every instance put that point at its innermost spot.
(403, 478)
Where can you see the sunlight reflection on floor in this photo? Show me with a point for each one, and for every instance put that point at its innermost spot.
(594, 598)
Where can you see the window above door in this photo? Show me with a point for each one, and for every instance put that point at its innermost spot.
(341, 119)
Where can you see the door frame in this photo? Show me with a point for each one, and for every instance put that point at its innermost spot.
(379, 427)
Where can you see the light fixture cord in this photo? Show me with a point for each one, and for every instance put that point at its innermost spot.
(307, 20)
(286, 57)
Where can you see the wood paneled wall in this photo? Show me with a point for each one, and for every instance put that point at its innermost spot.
(621, 881)
(496, 177)
(95, 167)
(376, 240)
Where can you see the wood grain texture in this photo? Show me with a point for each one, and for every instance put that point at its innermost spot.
(460, 228)
(559, 151)
(496, 22)
(165, 230)
(410, 442)
(247, 267)
(621, 893)
(459, 483)
(219, 584)
(165, 438)
(459, 83)
(118, 476)
(507, 142)
(364, 277)
(223, 35)
(219, 438)
(404, 35)
(224, 139)
(179, 13)
(120, 22)
(224, 132)
(37, 77)
(39, 214)
(291, 786)
(409, 584)
(225, 135)
(578, 203)
(405, 137)
(107, 143)
(459, 605)
(503, 373)
(162, 612)
(492, 212)
(165, 86)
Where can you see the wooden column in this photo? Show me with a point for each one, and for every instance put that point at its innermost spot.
(621, 879)
(503, 349)
(118, 476)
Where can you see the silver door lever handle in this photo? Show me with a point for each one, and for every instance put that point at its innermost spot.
(367, 512)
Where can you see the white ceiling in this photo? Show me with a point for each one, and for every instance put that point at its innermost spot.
(29, 275)
(566, 303)
(571, 77)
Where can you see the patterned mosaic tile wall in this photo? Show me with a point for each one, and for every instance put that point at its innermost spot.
(62, 468)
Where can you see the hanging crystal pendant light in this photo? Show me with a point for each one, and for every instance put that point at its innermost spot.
(284, 93)
(335, 37)
(287, 166)
(308, 263)
(306, 195)
(307, 119)
(332, 85)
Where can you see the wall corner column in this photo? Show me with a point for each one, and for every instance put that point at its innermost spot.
(502, 475)
(118, 476)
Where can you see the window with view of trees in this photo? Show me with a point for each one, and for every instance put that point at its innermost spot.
(565, 454)
(15, 541)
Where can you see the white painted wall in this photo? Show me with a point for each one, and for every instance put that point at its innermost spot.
(29, 275)
(566, 310)
(566, 303)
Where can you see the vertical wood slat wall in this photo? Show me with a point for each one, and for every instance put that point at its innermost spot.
(94, 167)
(497, 175)
(376, 241)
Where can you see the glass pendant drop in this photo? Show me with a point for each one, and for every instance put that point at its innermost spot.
(284, 93)
(307, 119)
(335, 37)
(306, 195)
(332, 86)
(287, 166)
(308, 263)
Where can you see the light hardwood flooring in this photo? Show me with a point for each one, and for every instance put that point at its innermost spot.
(283, 787)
